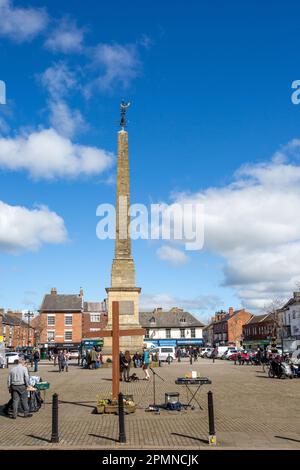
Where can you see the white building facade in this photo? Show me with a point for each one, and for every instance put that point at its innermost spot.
(173, 328)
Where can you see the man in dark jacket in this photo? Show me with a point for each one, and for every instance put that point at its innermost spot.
(36, 358)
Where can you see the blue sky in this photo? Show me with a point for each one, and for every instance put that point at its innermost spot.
(211, 120)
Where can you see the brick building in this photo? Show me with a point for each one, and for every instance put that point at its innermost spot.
(16, 333)
(66, 320)
(228, 327)
(258, 331)
(94, 319)
(208, 334)
(60, 320)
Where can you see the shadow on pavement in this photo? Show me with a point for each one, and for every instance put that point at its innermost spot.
(205, 441)
(288, 438)
(39, 438)
(78, 403)
(104, 437)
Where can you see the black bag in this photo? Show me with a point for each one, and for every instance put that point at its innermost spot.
(35, 402)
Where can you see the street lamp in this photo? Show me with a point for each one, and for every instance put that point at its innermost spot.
(28, 315)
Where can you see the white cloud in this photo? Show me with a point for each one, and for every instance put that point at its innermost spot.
(58, 80)
(22, 229)
(21, 24)
(66, 37)
(167, 301)
(254, 225)
(4, 127)
(45, 154)
(173, 255)
(119, 64)
(66, 121)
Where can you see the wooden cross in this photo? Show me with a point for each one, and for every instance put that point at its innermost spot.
(115, 333)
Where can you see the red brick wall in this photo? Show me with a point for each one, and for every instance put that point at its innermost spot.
(87, 325)
(235, 325)
(60, 327)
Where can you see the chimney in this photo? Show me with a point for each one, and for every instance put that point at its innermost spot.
(230, 311)
(53, 291)
(81, 292)
(297, 296)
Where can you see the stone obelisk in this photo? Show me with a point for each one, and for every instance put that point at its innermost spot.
(123, 288)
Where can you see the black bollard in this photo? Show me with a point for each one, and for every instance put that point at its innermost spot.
(54, 435)
(7, 366)
(191, 359)
(211, 420)
(122, 436)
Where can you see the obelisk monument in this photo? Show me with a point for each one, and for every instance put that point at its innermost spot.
(123, 288)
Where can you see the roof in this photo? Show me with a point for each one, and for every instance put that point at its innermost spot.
(61, 303)
(228, 316)
(94, 307)
(14, 321)
(295, 300)
(258, 318)
(168, 319)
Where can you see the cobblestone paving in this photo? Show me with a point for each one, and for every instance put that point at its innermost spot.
(251, 411)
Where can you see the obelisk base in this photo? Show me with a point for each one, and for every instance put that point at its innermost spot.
(128, 298)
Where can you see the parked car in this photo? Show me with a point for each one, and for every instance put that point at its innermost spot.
(11, 356)
(73, 354)
(205, 351)
(229, 352)
(209, 353)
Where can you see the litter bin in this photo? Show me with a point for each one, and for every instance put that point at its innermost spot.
(43, 355)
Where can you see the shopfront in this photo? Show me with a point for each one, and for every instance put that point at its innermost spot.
(90, 343)
(45, 348)
(188, 343)
(255, 343)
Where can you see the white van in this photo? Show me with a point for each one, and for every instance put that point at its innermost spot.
(164, 352)
(150, 345)
(221, 351)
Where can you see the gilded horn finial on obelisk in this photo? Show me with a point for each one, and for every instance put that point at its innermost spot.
(123, 107)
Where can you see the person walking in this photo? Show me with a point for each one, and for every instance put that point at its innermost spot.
(94, 356)
(36, 358)
(60, 360)
(136, 360)
(122, 364)
(146, 363)
(55, 355)
(17, 382)
(66, 361)
(127, 366)
(214, 354)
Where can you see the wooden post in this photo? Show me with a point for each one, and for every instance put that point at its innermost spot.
(115, 351)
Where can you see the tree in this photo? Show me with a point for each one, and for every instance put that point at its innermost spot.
(276, 312)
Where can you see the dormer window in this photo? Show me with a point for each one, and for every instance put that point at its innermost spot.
(182, 320)
(152, 320)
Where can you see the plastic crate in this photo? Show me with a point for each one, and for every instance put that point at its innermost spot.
(42, 386)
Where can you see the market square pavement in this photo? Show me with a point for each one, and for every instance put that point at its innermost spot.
(252, 411)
